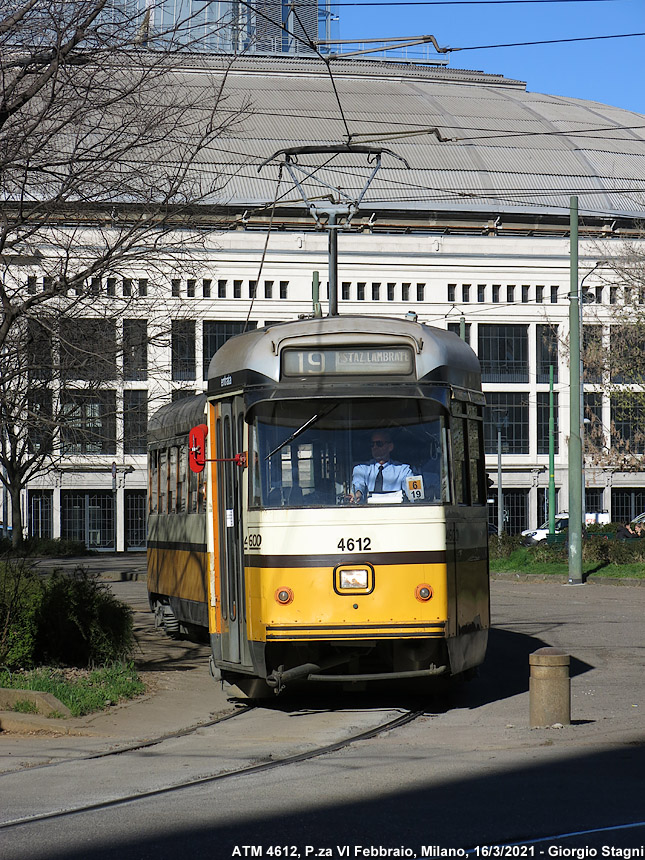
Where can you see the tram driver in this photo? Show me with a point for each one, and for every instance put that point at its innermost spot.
(381, 474)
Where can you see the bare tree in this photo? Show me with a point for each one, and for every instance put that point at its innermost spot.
(102, 161)
(613, 356)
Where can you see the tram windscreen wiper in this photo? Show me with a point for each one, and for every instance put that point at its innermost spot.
(301, 429)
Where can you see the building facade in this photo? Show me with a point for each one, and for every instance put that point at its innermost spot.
(473, 236)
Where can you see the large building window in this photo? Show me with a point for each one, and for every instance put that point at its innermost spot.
(543, 422)
(503, 353)
(628, 423)
(88, 349)
(216, 333)
(627, 503)
(546, 337)
(515, 514)
(89, 425)
(627, 341)
(135, 350)
(39, 351)
(40, 421)
(135, 421)
(594, 434)
(593, 355)
(88, 517)
(508, 412)
(40, 506)
(183, 350)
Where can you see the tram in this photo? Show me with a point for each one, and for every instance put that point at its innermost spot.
(271, 533)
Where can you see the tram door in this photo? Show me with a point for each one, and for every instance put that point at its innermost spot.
(230, 441)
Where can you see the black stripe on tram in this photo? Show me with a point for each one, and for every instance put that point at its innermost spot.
(423, 557)
(421, 625)
(272, 637)
(177, 546)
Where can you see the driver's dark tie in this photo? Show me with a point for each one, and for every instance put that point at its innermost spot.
(378, 483)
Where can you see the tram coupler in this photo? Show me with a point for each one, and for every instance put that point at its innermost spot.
(279, 678)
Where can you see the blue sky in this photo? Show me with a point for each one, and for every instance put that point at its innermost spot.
(609, 71)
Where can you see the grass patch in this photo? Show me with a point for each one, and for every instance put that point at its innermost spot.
(82, 691)
(25, 707)
(547, 561)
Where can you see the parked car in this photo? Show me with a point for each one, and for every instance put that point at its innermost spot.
(639, 520)
(533, 536)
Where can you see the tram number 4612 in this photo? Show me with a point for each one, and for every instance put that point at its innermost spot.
(363, 544)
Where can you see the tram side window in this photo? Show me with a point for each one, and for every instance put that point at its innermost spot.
(172, 479)
(459, 458)
(467, 454)
(153, 493)
(180, 504)
(163, 481)
(193, 492)
(475, 457)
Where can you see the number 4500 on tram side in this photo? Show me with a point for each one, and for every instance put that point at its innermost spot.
(320, 513)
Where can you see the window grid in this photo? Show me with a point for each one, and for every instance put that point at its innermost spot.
(510, 412)
(503, 352)
(543, 422)
(546, 337)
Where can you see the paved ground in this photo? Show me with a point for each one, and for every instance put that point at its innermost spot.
(181, 692)
(600, 625)
(470, 772)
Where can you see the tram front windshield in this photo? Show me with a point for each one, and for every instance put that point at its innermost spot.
(323, 453)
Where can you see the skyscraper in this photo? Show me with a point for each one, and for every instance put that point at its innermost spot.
(230, 26)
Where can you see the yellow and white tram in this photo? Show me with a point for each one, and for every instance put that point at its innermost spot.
(267, 531)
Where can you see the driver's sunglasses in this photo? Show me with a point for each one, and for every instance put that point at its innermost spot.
(378, 444)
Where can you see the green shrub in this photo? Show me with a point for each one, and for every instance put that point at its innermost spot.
(48, 547)
(62, 620)
(81, 623)
(21, 591)
(503, 546)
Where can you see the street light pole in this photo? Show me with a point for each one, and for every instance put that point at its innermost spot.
(575, 442)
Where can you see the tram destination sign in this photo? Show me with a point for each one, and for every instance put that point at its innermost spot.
(346, 361)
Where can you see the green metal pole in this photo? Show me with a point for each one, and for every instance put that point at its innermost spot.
(575, 442)
(462, 327)
(551, 455)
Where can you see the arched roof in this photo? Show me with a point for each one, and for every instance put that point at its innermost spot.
(507, 150)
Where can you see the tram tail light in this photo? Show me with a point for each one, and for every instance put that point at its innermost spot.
(423, 592)
(284, 596)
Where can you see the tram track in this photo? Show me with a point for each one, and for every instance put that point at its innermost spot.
(258, 767)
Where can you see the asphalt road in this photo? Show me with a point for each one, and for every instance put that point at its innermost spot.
(468, 775)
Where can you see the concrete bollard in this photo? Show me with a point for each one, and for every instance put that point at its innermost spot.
(549, 688)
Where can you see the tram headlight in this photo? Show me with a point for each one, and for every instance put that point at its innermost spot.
(423, 592)
(284, 596)
(354, 578)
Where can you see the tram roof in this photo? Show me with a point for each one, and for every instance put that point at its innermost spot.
(441, 356)
(177, 418)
